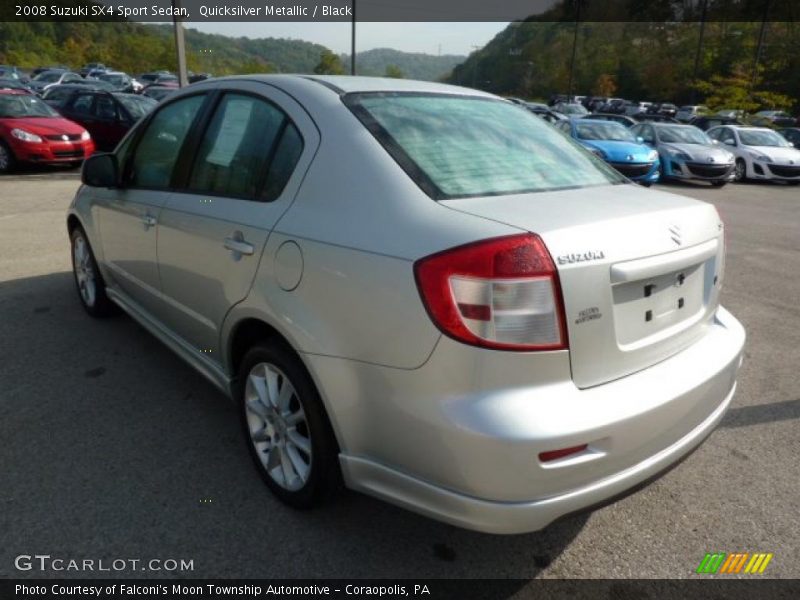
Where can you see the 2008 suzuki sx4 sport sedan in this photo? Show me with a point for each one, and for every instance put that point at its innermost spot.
(420, 290)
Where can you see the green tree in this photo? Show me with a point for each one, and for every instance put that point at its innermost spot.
(394, 72)
(329, 64)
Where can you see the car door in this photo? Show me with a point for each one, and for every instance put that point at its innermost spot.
(128, 215)
(245, 172)
(108, 122)
(79, 108)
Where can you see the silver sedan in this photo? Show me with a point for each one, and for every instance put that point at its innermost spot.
(686, 152)
(422, 290)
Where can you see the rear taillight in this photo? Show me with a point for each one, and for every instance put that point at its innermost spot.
(500, 293)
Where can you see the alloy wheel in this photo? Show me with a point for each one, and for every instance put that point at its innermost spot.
(84, 272)
(278, 426)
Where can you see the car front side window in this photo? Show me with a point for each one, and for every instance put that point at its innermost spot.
(159, 146)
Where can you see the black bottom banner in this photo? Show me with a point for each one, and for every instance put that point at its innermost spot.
(337, 589)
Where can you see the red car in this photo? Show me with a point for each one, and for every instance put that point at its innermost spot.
(31, 131)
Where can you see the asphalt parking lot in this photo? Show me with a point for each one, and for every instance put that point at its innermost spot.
(111, 447)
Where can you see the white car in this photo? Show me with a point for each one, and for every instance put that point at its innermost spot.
(760, 153)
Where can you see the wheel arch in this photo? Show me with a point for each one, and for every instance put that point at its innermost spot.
(250, 330)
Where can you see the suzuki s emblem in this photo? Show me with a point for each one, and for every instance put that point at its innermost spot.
(629, 157)
(675, 232)
(710, 159)
(65, 138)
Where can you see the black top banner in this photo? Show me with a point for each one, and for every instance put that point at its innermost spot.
(401, 10)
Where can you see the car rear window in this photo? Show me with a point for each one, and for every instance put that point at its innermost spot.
(459, 146)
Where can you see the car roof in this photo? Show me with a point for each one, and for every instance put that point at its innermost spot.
(346, 84)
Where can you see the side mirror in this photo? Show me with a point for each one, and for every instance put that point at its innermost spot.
(715, 142)
(729, 142)
(100, 170)
(640, 139)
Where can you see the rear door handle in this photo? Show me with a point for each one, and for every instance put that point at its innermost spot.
(237, 244)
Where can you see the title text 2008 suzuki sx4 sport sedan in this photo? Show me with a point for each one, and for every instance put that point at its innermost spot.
(422, 290)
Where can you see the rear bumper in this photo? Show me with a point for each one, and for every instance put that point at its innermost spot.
(458, 439)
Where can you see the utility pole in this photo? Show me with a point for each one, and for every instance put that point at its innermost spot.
(574, 47)
(699, 49)
(180, 46)
(353, 42)
(475, 67)
(760, 44)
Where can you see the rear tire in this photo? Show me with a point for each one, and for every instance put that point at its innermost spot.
(7, 159)
(88, 280)
(286, 428)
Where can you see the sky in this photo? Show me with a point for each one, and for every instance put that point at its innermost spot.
(430, 38)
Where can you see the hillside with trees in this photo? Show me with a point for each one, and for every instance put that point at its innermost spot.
(387, 62)
(642, 61)
(135, 48)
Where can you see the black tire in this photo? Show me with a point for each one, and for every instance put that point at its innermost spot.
(323, 477)
(646, 183)
(101, 305)
(8, 161)
(719, 184)
(793, 183)
(740, 170)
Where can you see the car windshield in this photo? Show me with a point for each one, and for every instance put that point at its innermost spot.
(48, 76)
(24, 105)
(456, 147)
(608, 130)
(682, 135)
(761, 137)
(137, 106)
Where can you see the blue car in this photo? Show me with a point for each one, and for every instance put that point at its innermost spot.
(617, 146)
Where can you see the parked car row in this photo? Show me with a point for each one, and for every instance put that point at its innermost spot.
(66, 125)
(648, 152)
(645, 110)
(58, 115)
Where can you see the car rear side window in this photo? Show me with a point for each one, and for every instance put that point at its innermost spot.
(287, 153)
(236, 147)
(456, 146)
(158, 148)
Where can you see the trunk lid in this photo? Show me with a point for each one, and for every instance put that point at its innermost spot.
(640, 270)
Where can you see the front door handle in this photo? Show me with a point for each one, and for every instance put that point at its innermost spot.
(238, 245)
(149, 221)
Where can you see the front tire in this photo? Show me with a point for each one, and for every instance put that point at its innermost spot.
(88, 279)
(719, 184)
(286, 427)
(7, 159)
(740, 170)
